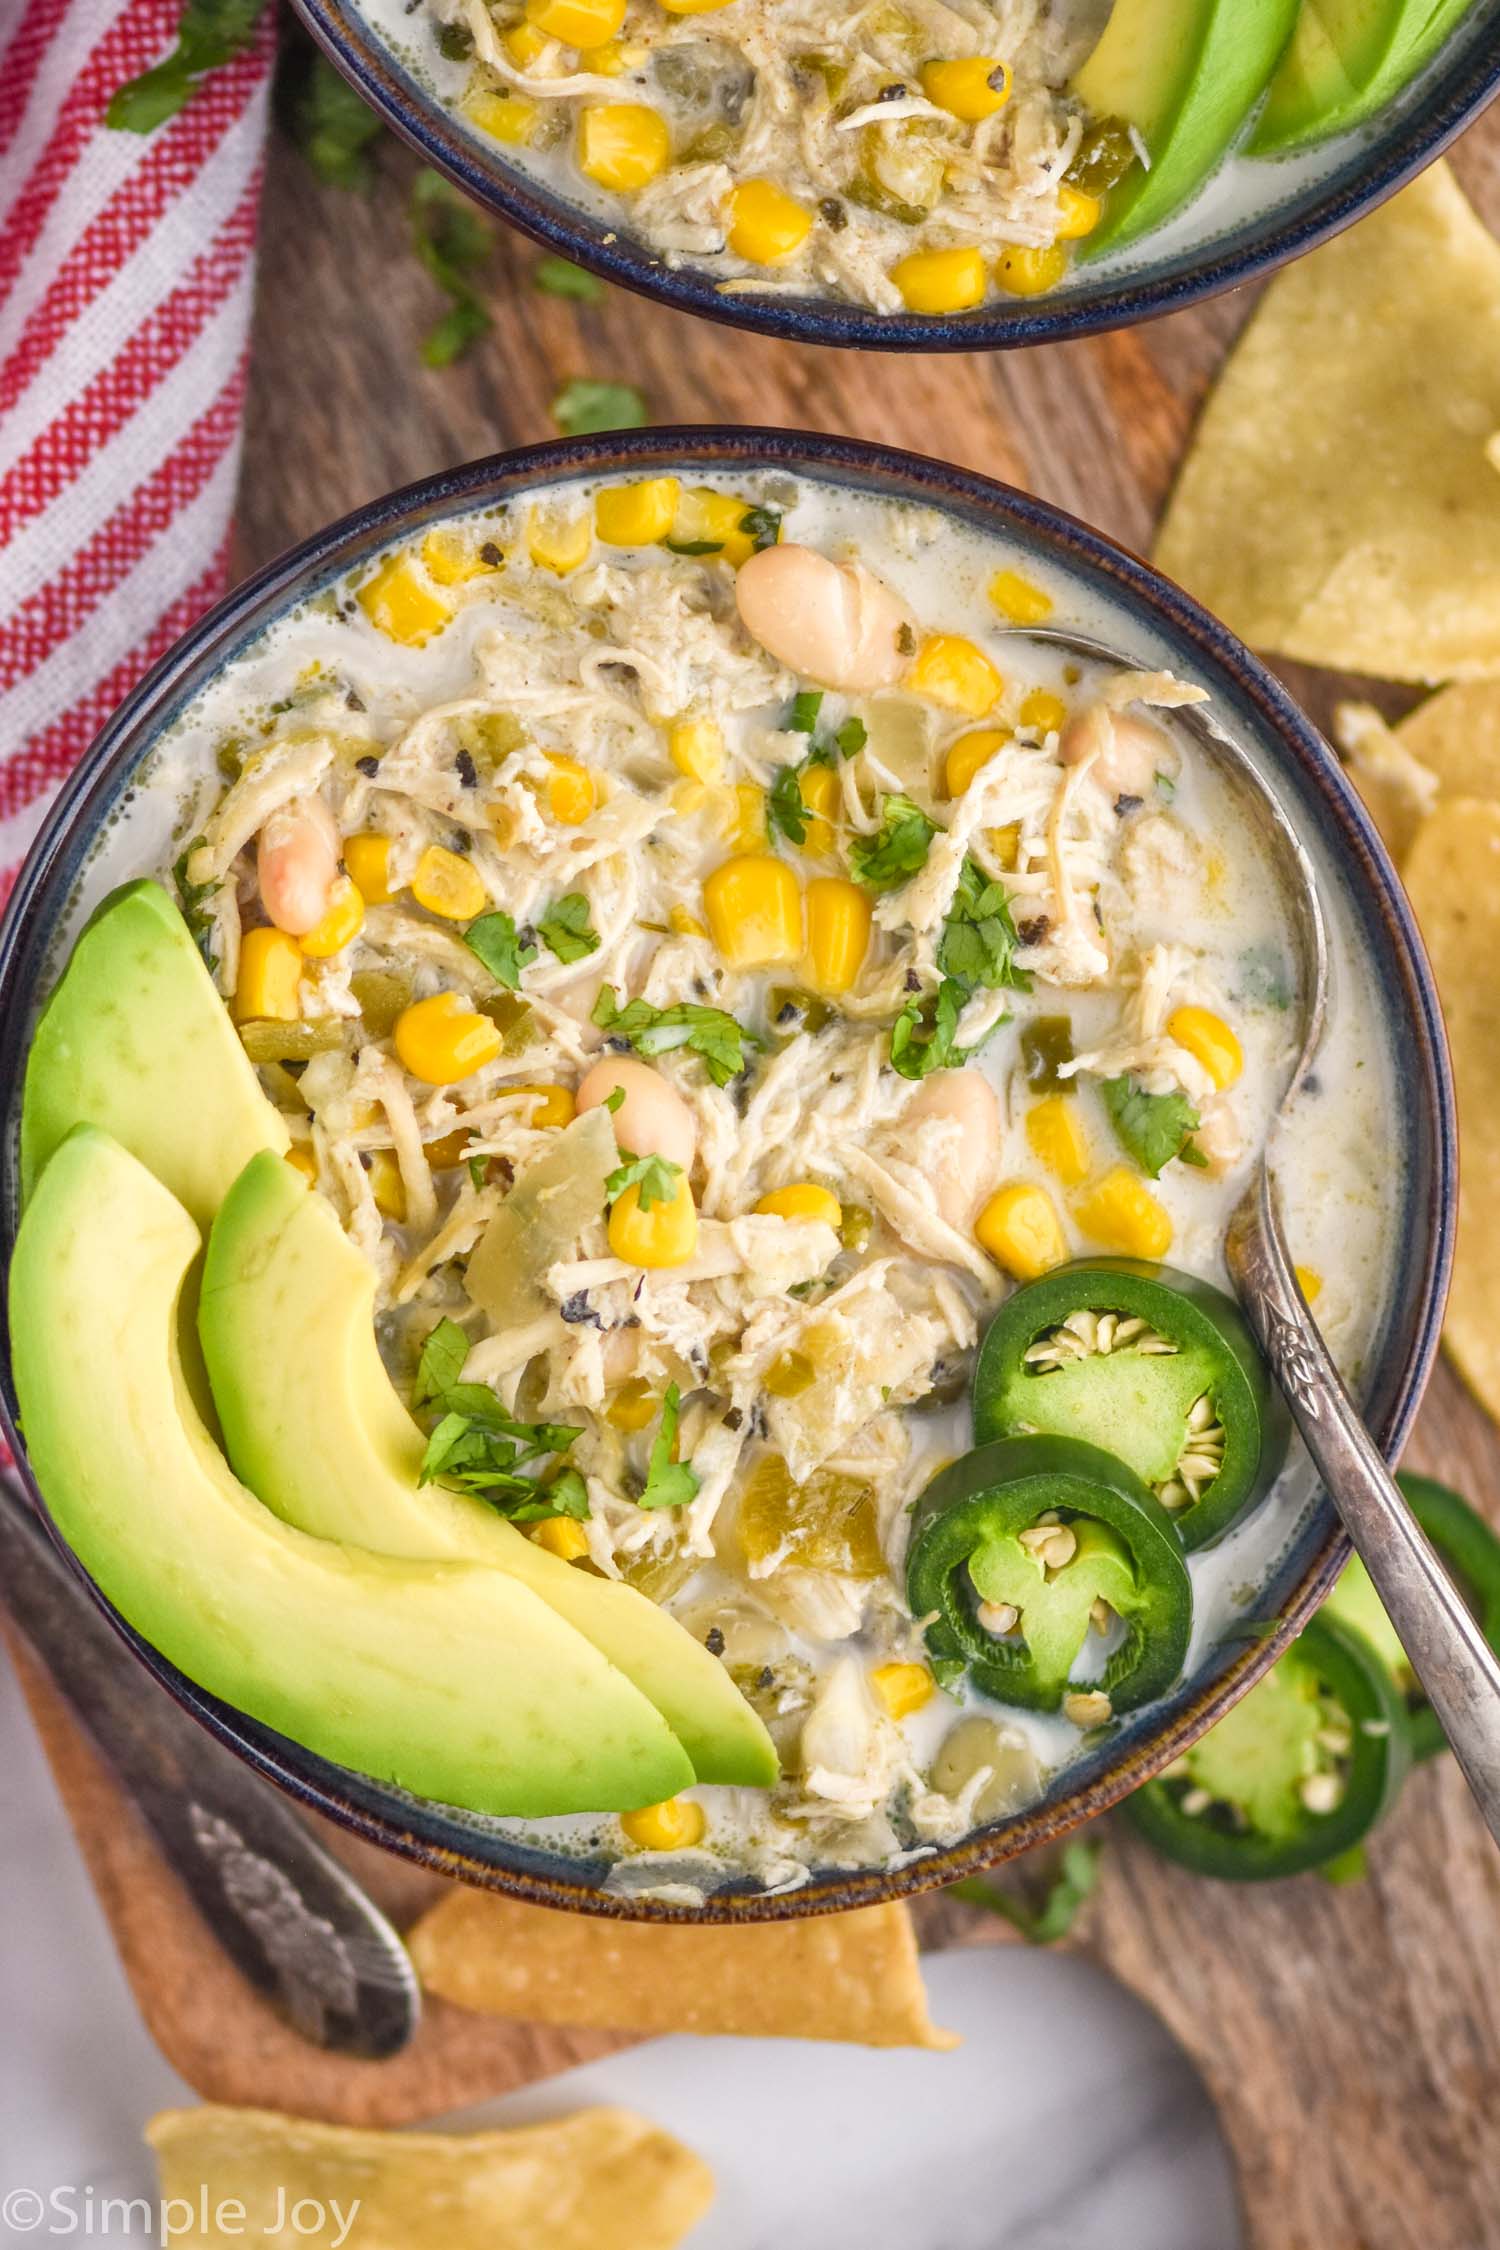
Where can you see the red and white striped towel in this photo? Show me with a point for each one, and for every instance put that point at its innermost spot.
(125, 283)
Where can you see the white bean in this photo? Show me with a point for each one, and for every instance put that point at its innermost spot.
(653, 1119)
(296, 862)
(963, 1160)
(1127, 753)
(826, 621)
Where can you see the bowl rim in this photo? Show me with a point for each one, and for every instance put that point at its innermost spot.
(422, 1831)
(1459, 83)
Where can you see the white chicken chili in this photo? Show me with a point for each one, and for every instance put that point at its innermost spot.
(708, 959)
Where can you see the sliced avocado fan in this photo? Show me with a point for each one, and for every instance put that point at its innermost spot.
(313, 1426)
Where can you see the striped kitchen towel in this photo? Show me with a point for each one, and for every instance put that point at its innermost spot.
(125, 282)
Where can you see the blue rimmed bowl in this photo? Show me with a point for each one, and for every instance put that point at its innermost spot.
(1276, 210)
(1152, 623)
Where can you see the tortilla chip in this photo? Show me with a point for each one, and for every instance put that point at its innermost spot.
(847, 1976)
(599, 2179)
(1339, 504)
(1453, 879)
(1448, 746)
(1398, 790)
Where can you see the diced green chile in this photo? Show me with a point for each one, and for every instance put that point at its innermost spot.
(1238, 1807)
(1470, 1552)
(1136, 1403)
(966, 1549)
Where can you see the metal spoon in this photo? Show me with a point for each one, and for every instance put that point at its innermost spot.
(1458, 1671)
(292, 1920)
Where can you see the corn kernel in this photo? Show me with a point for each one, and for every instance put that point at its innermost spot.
(1310, 1282)
(341, 923)
(269, 978)
(623, 145)
(440, 1040)
(693, 7)
(748, 816)
(1018, 600)
(765, 225)
(822, 795)
(1044, 711)
(368, 859)
(448, 884)
(387, 1186)
(665, 1235)
(561, 1536)
(548, 1105)
(558, 542)
(972, 89)
(1021, 1230)
(953, 672)
(1078, 212)
(754, 911)
(1208, 1039)
(572, 792)
(1055, 1135)
(301, 1158)
(401, 604)
(685, 924)
(1024, 272)
(696, 748)
(634, 1407)
(577, 23)
(838, 933)
(451, 557)
(1123, 1214)
(713, 520)
(968, 754)
(902, 1688)
(501, 115)
(941, 281)
(523, 43)
(805, 1199)
(672, 1826)
(1005, 843)
(636, 515)
(443, 1154)
(688, 798)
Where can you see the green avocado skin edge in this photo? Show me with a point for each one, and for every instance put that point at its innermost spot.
(1347, 60)
(453, 1682)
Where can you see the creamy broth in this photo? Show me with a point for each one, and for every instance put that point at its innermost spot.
(1128, 904)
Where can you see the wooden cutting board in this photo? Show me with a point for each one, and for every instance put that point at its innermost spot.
(1351, 2037)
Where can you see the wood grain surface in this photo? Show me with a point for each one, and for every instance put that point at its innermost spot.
(1351, 2037)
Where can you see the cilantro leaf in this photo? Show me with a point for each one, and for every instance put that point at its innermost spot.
(452, 242)
(708, 1032)
(979, 938)
(1152, 1128)
(851, 737)
(886, 860)
(761, 526)
(442, 1362)
(209, 33)
(924, 1036)
(477, 1447)
(1058, 1909)
(494, 938)
(654, 1177)
(559, 277)
(191, 897)
(669, 1483)
(565, 928)
(584, 405)
(328, 120)
(785, 808)
(803, 716)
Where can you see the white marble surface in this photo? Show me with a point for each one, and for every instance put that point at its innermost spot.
(1066, 2121)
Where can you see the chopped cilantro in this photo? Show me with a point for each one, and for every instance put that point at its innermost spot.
(565, 928)
(478, 1170)
(452, 242)
(442, 1362)
(1057, 1910)
(851, 737)
(669, 1483)
(1152, 1128)
(803, 716)
(654, 1178)
(924, 1036)
(785, 807)
(191, 897)
(979, 938)
(708, 1032)
(455, 42)
(559, 277)
(209, 33)
(761, 526)
(584, 405)
(479, 1448)
(886, 860)
(495, 939)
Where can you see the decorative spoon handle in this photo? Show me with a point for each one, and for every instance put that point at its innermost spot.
(292, 1920)
(1459, 1673)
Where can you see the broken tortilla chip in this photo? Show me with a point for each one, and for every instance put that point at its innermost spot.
(1340, 503)
(851, 1976)
(601, 2179)
(1448, 746)
(1452, 876)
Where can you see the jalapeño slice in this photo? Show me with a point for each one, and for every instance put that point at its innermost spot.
(1295, 1775)
(1469, 1552)
(1153, 1364)
(1023, 1548)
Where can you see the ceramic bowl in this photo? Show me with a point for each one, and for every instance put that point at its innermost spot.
(1150, 621)
(1279, 210)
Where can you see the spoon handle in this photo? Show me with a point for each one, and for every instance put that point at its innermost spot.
(1458, 1671)
(292, 1920)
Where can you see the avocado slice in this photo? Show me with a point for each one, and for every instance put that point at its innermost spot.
(454, 1683)
(313, 1426)
(1186, 74)
(1347, 59)
(136, 1040)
